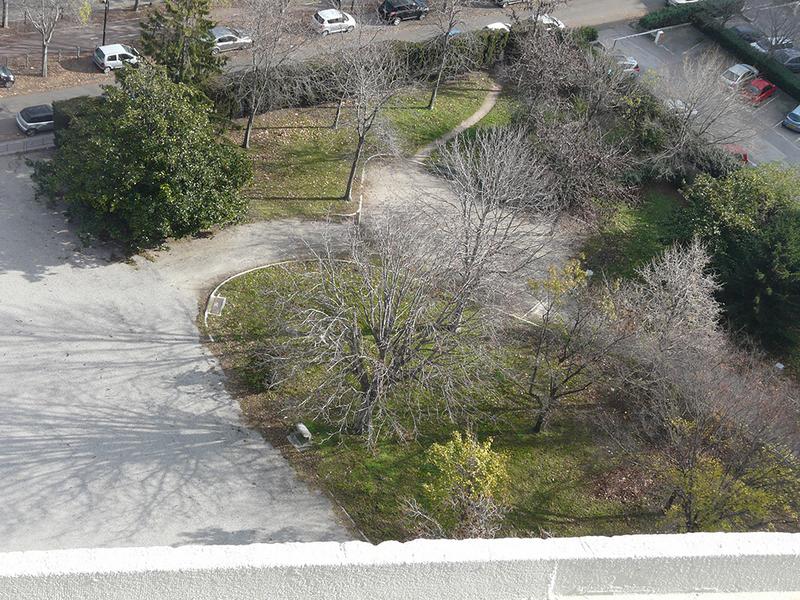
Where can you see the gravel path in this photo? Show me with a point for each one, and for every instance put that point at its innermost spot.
(117, 429)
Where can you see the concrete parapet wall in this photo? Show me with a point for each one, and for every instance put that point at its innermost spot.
(723, 565)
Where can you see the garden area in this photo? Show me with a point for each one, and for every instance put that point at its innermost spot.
(301, 162)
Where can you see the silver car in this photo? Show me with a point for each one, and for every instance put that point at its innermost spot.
(34, 119)
(227, 38)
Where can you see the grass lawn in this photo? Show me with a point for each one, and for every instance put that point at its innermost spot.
(555, 474)
(301, 163)
(415, 126)
(634, 235)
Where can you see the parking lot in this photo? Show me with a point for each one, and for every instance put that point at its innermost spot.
(766, 141)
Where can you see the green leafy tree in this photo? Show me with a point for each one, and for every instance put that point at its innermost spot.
(177, 37)
(144, 163)
(750, 221)
(466, 493)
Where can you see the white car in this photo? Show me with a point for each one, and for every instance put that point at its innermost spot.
(738, 75)
(550, 23)
(498, 26)
(680, 2)
(332, 21)
(678, 107)
(627, 64)
(770, 44)
(114, 56)
(226, 39)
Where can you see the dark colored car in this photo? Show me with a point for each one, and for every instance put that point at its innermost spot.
(6, 77)
(34, 119)
(748, 33)
(789, 58)
(394, 11)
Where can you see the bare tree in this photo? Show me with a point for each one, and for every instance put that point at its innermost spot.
(374, 75)
(44, 15)
(269, 23)
(709, 420)
(382, 328)
(564, 345)
(698, 114)
(447, 15)
(499, 216)
(536, 10)
(779, 28)
(5, 14)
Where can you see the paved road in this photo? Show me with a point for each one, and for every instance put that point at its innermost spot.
(116, 428)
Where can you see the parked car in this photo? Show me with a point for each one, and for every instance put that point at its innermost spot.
(748, 33)
(34, 119)
(738, 75)
(6, 77)
(332, 21)
(550, 23)
(789, 58)
(680, 2)
(627, 64)
(394, 11)
(228, 38)
(759, 90)
(767, 45)
(498, 26)
(114, 56)
(792, 120)
(679, 108)
(739, 153)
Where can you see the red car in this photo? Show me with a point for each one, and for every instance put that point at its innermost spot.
(759, 90)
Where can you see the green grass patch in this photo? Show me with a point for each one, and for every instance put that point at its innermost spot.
(633, 235)
(300, 164)
(415, 126)
(554, 474)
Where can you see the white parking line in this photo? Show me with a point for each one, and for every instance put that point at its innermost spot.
(700, 43)
(778, 126)
(765, 104)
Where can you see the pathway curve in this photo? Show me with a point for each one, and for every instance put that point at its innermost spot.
(117, 428)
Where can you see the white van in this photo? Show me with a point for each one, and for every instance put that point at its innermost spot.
(333, 21)
(114, 56)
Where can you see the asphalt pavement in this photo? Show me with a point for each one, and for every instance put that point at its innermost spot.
(766, 140)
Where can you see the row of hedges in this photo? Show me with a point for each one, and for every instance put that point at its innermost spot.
(308, 83)
(685, 13)
(774, 71)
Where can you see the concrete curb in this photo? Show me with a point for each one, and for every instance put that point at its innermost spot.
(30, 144)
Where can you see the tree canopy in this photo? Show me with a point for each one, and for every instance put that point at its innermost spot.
(144, 163)
(751, 223)
(177, 37)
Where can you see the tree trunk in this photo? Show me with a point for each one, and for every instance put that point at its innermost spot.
(135, 5)
(439, 75)
(338, 113)
(44, 59)
(5, 14)
(349, 191)
(248, 129)
(363, 420)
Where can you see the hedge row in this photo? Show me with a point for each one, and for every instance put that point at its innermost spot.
(685, 13)
(308, 83)
(774, 71)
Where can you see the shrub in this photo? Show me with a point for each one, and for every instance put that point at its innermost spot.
(65, 110)
(584, 36)
(676, 15)
(145, 163)
(750, 221)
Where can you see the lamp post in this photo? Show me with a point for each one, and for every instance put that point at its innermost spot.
(105, 21)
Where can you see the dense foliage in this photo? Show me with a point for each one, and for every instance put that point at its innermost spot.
(144, 164)
(751, 222)
(177, 37)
